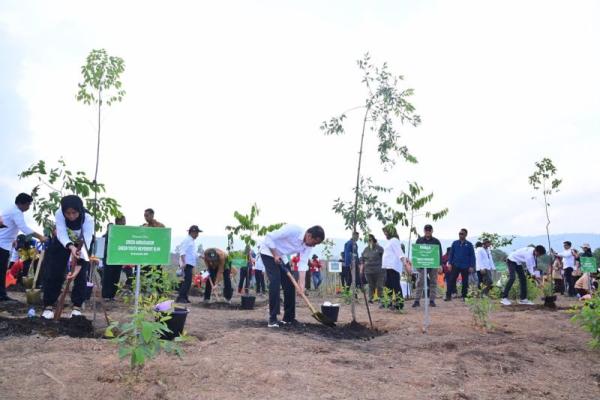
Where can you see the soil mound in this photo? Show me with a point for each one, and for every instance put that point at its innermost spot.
(78, 327)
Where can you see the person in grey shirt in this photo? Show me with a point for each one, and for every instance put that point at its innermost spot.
(370, 265)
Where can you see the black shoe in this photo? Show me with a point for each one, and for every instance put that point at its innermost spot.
(432, 303)
(416, 304)
(273, 324)
(447, 299)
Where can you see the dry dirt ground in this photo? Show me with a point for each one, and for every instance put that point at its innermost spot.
(530, 354)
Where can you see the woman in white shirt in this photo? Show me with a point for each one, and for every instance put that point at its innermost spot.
(67, 256)
(393, 262)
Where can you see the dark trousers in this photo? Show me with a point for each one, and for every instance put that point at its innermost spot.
(185, 286)
(512, 268)
(559, 286)
(4, 258)
(392, 282)
(244, 278)
(110, 280)
(307, 280)
(260, 281)
(346, 277)
(278, 279)
(484, 277)
(55, 273)
(464, 273)
(227, 289)
(570, 281)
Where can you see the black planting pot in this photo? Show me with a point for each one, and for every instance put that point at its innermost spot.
(331, 312)
(550, 301)
(175, 323)
(248, 302)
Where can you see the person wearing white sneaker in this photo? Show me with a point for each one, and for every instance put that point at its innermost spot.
(48, 313)
(75, 312)
(525, 257)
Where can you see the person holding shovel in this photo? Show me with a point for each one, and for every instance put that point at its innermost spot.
(215, 260)
(287, 240)
(516, 261)
(67, 255)
(13, 221)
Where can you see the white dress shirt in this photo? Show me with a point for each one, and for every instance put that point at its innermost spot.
(187, 248)
(568, 258)
(483, 259)
(63, 235)
(287, 240)
(490, 259)
(525, 257)
(15, 222)
(392, 255)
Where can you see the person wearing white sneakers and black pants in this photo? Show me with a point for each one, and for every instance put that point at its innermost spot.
(63, 252)
(525, 257)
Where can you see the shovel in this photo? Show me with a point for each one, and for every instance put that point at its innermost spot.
(319, 316)
(34, 295)
(60, 305)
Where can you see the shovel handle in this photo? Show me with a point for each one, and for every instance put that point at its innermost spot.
(39, 266)
(291, 277)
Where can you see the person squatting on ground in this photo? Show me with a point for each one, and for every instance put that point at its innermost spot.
(371, 266)
(568, 256)
(394, 261)
(287, 240)
(67, 255)
(189, 258)
(461, 261)
(484, 265)
(350, 251)
(112, 273)
(428, 274)
(215, 260)
(13, 221)
(516, 261)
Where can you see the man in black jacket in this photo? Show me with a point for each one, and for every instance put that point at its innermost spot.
(431, 273)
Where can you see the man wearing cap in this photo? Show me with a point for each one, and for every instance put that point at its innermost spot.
(189, 257)
(13, 221)
(431, 273)
(568, 256)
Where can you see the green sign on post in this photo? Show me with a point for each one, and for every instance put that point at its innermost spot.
(138, 245)
(425, 256)
(588, 264)
(501, 266)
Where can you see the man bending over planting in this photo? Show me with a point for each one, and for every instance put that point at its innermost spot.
(287, 240)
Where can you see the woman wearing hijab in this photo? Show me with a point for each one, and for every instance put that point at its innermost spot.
(67, 256)
(394, 262)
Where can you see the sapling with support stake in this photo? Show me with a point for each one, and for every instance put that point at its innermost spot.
(385, 103)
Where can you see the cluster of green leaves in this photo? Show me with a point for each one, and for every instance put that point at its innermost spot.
(56, 182)
(346, 294)
(247, 228)
(101, 75)
(328, 245)
(589, 318)
(533, 291)
(480, 306)
(385, 103)
(496, 240)
(544, 177)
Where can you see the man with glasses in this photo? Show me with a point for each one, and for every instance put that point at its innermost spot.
(461, 261)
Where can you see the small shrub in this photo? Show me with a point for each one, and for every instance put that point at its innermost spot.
(347, 294)
(589, 318)
(481, 307)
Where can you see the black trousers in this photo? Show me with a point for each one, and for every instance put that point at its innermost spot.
(244, 279)
(464, 273)
(346, 277)
(227, 289)
(4, 258)
(278, 280)
(55, 273)
(512, 268)
(307, 280)
(260, 281)
(484, 277)
(110, 280)
(570, 281)
(185, 286)
(392, 282)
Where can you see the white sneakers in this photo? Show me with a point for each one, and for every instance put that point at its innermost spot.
(48, 314)
(505, 302)
(76, 312)
(526, 302)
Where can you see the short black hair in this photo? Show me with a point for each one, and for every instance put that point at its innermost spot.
(466, 231)
(568, 243)
(540, 250)
(316, 232)
(23, 198)
(372, 237)
(149, 210)
(478, 244)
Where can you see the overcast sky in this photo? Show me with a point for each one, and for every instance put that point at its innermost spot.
(224, 102)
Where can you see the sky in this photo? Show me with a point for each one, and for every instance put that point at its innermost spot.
(225, 99)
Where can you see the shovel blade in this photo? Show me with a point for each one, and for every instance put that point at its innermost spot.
(323, 319)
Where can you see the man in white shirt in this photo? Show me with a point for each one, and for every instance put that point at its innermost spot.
(189, 258)
(484, 265)
(568, 259)
(527, 257)
(13, 221)
(287, 240)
